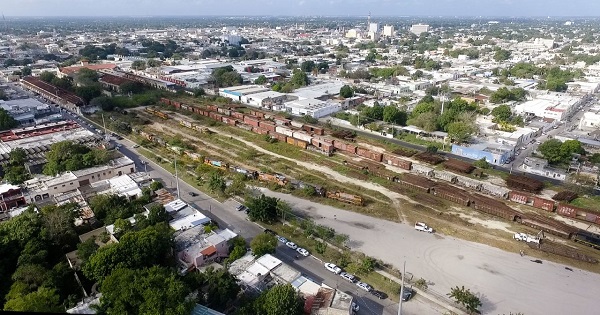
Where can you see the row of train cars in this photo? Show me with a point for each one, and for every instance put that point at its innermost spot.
(421, 178)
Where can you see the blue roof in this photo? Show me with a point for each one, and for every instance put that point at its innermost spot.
(203, 310)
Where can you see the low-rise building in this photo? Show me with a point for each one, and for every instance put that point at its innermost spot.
(196, 248)
(312, 107)
(47, 186)
(11, 197)
(493, 153)
(540, 167)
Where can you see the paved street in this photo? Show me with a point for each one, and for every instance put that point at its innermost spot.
(226, 215)
(505, 281)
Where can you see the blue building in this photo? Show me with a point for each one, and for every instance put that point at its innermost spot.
(493, 153)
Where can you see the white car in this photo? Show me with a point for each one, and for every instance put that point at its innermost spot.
(333, 268)
(348, 276)
(303, 252)
(420, 226)
(291, 245)
(364, 286)
(282, 239)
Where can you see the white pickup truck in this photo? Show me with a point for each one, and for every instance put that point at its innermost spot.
(526, 238)
(420, 226)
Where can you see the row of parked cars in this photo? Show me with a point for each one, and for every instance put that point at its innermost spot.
(365, 286)
(289, 244)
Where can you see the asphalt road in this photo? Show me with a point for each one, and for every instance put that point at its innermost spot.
(225, 215)
(504, 281)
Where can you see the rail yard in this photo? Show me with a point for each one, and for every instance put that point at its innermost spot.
(421, 173)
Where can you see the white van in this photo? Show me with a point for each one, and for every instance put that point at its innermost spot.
(420, 226)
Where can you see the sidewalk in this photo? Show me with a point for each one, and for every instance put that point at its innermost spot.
(429, 294)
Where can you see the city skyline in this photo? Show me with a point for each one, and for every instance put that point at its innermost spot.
(449, 8)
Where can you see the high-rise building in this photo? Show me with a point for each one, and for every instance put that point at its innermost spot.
(388, 30)
(373, 27)
(417, 29)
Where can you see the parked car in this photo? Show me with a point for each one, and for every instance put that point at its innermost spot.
(291, 245)
(355, 307)
(407, 294)
(333, 268)
(420, 226)
(241, 208)
(364, 286)
(303, 251)
(348, 276)
(136, 146)
(378, 294)
(282, 239)
(193, 194)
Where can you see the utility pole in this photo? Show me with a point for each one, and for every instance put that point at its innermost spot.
(402, 290)
(177, 180)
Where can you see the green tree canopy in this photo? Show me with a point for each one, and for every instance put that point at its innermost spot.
(226, 76)
(279, 300)
(43, 300)
(263, 244)
(262, 209)
(299, 78)
(559, 152)
(146, 291)
(466, 298)
(69, 156)
(138, 249)
(346, 91)
(6, 120)
(502, 113)
(391, 114)
(260, 80)
(502, 55)
(307, 66)
(460, 131)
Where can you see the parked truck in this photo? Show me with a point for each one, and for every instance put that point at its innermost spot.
(420, 226)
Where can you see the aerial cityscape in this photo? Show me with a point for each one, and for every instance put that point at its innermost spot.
(344, 157)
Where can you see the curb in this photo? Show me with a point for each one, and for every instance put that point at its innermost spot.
(424, 294)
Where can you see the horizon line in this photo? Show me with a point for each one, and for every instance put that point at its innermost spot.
(306, 16)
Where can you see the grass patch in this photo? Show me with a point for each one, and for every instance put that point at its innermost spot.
(592, 202)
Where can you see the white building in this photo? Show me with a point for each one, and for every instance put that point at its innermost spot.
(540, 167)
(373, 27)
(388, 31)
(549, 106)
(312, 107)
(417, 29)
(589, 121)
(45, 187)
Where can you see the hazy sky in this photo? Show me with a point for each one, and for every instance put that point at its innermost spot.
(301, 7)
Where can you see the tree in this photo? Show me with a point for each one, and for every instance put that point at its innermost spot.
(431, 149)
(237, 248)
(299, 78)
(43, 300)
(26, 71)
(502, 55)
(553, 152)
(466, 298)
(47, 76)
(307, 66)
(157, 214)
(263, 244)
(58, 223)
(156, 185)
(138, 249)
(221, 288)
(279, 300)
(138, 65)
(262, 209)
(460, 131)
(6, 120)
(87, 249)
(69, 156)
(482, 163)
(260, 80)
(502, 113)
(86, 76)
(346, 91)
(391, 114)
(152, 63)
(147, 291)
(88, 92)
(216, 183)
(132, 87)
